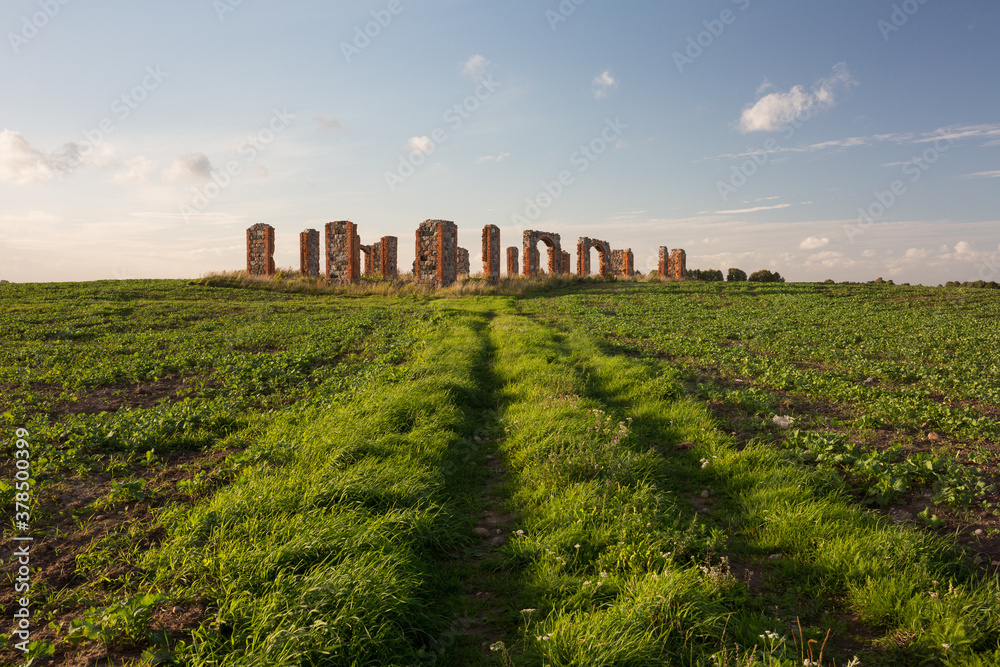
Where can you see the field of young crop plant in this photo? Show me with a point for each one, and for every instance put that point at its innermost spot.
(590, 473)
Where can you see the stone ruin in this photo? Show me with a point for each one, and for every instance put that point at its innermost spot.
(583, 246)
(491, 252)
(436, 252)
(677, 268)
(623, 263)
(260, 250)
(439, 260)
(512, 263)
(309, 253)
(462, 266)
(532, 257)
(384, 258)
(343, 247)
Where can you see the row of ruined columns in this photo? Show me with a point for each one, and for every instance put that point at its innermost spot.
(438, 258)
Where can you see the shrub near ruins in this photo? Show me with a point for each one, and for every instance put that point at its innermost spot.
(736, 276)
(765, 276)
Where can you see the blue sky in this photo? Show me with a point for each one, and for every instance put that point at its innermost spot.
(843, 140)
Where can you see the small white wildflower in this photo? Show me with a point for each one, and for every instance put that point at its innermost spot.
(946, 646)
(604, 575)
(576, 546)
(519, 532)
(704, 463)
(497, 646)
(586, 583)
(528, 611)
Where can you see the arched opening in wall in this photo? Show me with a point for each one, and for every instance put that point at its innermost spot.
(600, 256)
(550, 263)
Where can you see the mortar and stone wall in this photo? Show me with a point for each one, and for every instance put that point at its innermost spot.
(678, 264)
(622, 263)
(384, 258)
(564, 264)
(663, 267)
(512, 264)
(532, 258)
(260, 250)
(491, 252)
(583, 246)
(436, 252)
(309, 253)
(343, 247)
(462, 266)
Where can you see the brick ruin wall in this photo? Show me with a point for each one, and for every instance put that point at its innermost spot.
(622, 263)
(462, 266)
(663, 266)
(564, 264)
(512, 264)
(384, 258)
(436, 252)
(583, 246)
(309, 253)
(343, 248)
(532, 258)
(678, 264)
(491, 252)
(260, 250)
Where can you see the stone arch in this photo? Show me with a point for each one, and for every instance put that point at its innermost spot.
(532, 258)
(583, 246)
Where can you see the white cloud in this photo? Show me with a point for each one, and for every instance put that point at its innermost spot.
(753, 210)
(476, 66)
(420, 145)
(22, 164)
(814, 243)
(984, 174)
(603, 84)
(777, 110)
(136, 171)
(192, 166)
(963, 248)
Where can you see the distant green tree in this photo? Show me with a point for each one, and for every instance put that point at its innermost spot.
(765, 276)
(736, 276)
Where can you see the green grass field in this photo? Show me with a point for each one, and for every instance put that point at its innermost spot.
(583, 473)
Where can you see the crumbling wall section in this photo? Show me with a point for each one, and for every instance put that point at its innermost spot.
(366, 250)
(436, 252)
(663, 268)
(343, 247)
(260, 250)
(384, 258)
(462, 265)
(678, 264)
(583, 246)
(532, 258)
(309, 253)
(623, 263)
(564, 264)
(512, 264)
(491, 252)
